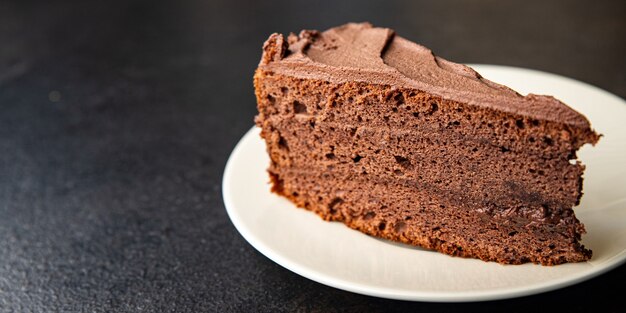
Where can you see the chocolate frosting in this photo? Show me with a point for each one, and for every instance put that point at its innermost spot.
(363, 53)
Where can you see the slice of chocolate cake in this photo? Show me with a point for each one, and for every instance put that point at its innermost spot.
(367, 128)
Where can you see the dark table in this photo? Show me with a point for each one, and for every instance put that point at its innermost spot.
(117, 118)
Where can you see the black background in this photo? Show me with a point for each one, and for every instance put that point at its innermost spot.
(117, 118)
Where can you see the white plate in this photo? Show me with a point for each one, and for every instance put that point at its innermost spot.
(333, 254)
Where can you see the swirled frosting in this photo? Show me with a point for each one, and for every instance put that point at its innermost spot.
(363, 53)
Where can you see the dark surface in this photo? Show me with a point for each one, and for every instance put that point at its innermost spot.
(116, 121)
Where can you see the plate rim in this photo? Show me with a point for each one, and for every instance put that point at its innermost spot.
(391, 293)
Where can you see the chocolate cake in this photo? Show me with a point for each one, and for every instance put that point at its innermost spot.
(367, 128)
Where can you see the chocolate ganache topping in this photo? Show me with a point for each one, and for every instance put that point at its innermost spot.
(363, 53)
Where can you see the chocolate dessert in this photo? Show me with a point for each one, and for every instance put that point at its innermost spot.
(367, 128)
